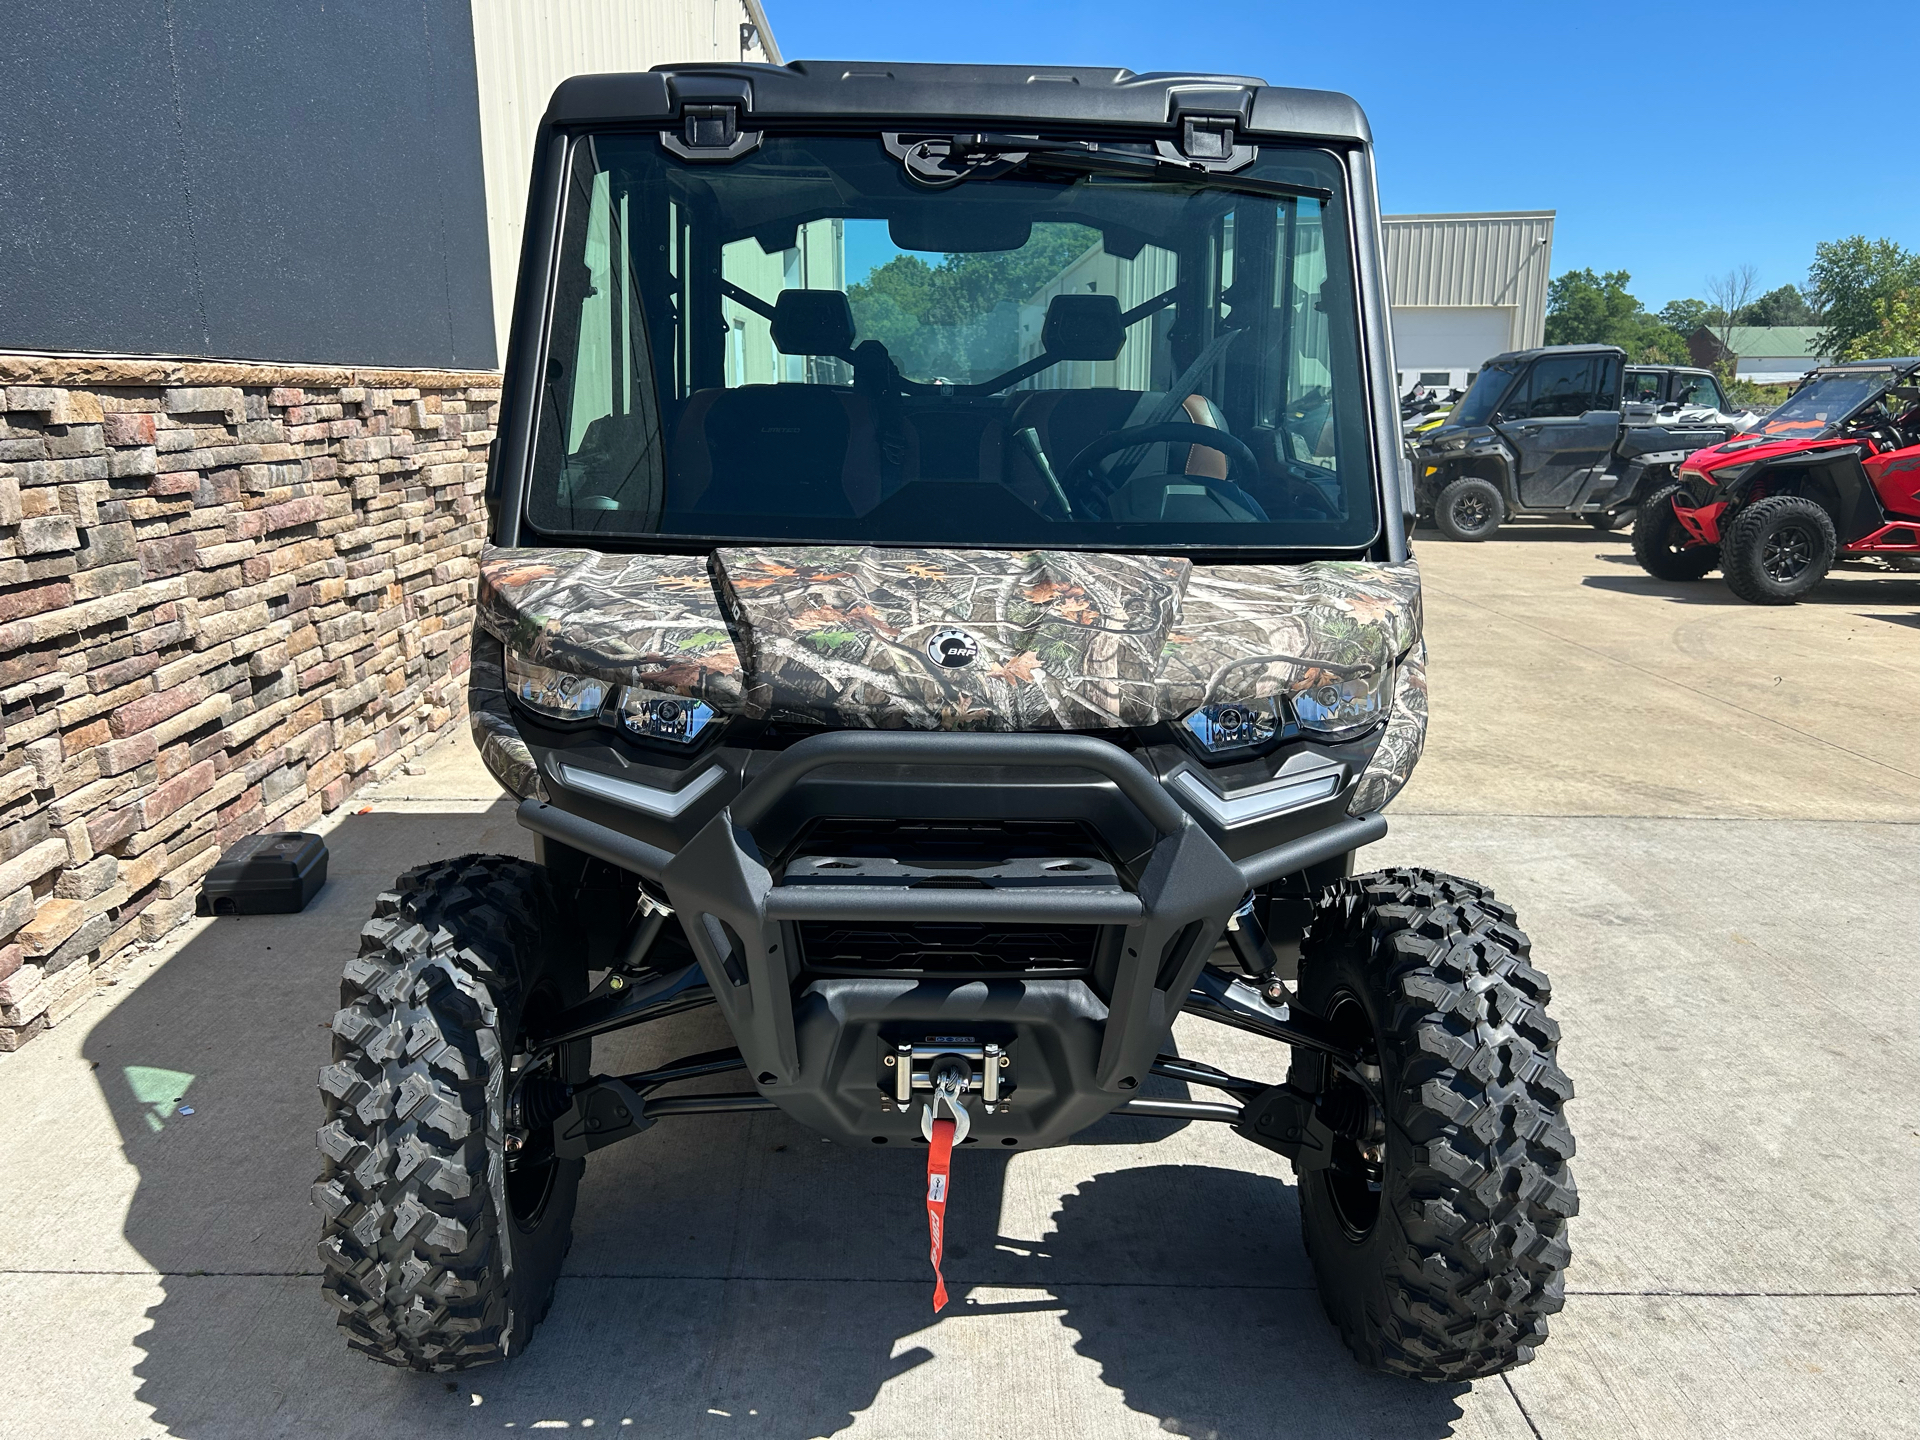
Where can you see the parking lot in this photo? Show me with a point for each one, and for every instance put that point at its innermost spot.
(1706, 814)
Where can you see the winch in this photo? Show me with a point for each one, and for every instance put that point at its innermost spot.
(978, 1067)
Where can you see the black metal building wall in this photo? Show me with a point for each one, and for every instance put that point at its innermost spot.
(278, 181)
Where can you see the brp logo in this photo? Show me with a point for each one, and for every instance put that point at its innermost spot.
(953, 649)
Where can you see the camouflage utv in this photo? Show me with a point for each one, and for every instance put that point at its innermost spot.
(949, 608)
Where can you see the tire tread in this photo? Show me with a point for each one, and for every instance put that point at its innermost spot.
(1652, 543)
(411, 1244)
(1740, 562)
(1484, 1204)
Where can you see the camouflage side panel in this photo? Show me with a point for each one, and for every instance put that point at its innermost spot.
(502, 750)
(648, 620)
(1246, 632)
(1392, 764)
(841, 635)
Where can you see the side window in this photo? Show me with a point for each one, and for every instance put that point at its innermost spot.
(1643, 388)
(1558, 386)
(600, 449)
(1309, 352)
(1606, 395)
(1700, 390)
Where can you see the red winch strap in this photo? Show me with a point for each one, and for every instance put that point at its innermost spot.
(939, 1160)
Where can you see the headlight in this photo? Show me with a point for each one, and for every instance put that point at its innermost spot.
(1728, 474)
(1691, 475)
(1234, 725)
(663, 717)
(649, 713)
(554, 693)
(1338, 708)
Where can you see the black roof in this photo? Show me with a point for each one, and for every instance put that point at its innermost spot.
(1539, 350)
(862, 89)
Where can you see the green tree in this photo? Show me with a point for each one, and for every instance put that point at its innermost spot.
(1785, 306)
(1898, 332)
(1588, 309)
(1851, 280)
(961, 315)
(1686, 316)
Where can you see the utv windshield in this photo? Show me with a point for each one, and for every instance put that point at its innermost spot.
(806, 344)
(1476, 407)
(1825, 402)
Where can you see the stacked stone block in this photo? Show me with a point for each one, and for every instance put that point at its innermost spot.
(229, 595)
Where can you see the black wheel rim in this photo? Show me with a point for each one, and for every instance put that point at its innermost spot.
(1471, 513)
(1358, 1170)
(1787, 553)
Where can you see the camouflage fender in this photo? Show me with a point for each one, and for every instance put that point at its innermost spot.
(502, 750)
(1247, 632)
(649, 620)
(1392, 764)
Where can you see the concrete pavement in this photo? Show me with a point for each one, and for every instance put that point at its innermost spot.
(1716, 868)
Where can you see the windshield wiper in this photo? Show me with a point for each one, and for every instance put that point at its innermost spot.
(1012, 152)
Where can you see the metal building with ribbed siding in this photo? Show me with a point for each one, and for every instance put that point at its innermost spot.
(1463, 288)
(522, 49)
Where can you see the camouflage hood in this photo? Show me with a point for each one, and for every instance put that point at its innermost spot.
(1049, 640)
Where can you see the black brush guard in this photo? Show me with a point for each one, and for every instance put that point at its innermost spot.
(816, 1045)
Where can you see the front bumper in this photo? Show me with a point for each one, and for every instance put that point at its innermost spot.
(1078, 1043)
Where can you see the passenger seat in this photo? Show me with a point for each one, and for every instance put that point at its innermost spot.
(782, 449)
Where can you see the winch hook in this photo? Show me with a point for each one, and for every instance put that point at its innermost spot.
(950, 1076)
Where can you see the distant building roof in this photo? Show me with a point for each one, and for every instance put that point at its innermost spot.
(1772, 340)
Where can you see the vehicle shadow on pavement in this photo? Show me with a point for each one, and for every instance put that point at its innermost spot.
(730, 1274)
(1841, 589)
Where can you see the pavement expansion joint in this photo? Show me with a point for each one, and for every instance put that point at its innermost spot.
(1746, 1295)
(182, 1274)
(1418, 814)
(1525, 1414)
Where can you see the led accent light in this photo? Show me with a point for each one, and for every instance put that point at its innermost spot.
(554, 693)
(1338, 708)
(1235, 724)
(663, 717)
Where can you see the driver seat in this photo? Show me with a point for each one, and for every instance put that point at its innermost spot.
(1067, 421)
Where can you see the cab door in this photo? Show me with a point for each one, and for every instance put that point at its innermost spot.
(1562, 420)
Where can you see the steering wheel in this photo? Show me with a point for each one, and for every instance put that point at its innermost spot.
(1081, 469)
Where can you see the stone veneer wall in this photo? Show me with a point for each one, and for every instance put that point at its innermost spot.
(229, 595)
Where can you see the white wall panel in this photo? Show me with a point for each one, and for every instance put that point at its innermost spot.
(1450, 337)
(525, 48)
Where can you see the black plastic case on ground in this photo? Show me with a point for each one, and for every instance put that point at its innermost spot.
(275, 874)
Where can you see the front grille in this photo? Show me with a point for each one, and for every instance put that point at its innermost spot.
(935, 840)
(941, 950)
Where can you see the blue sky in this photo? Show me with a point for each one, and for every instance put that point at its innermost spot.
(1675, 140)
